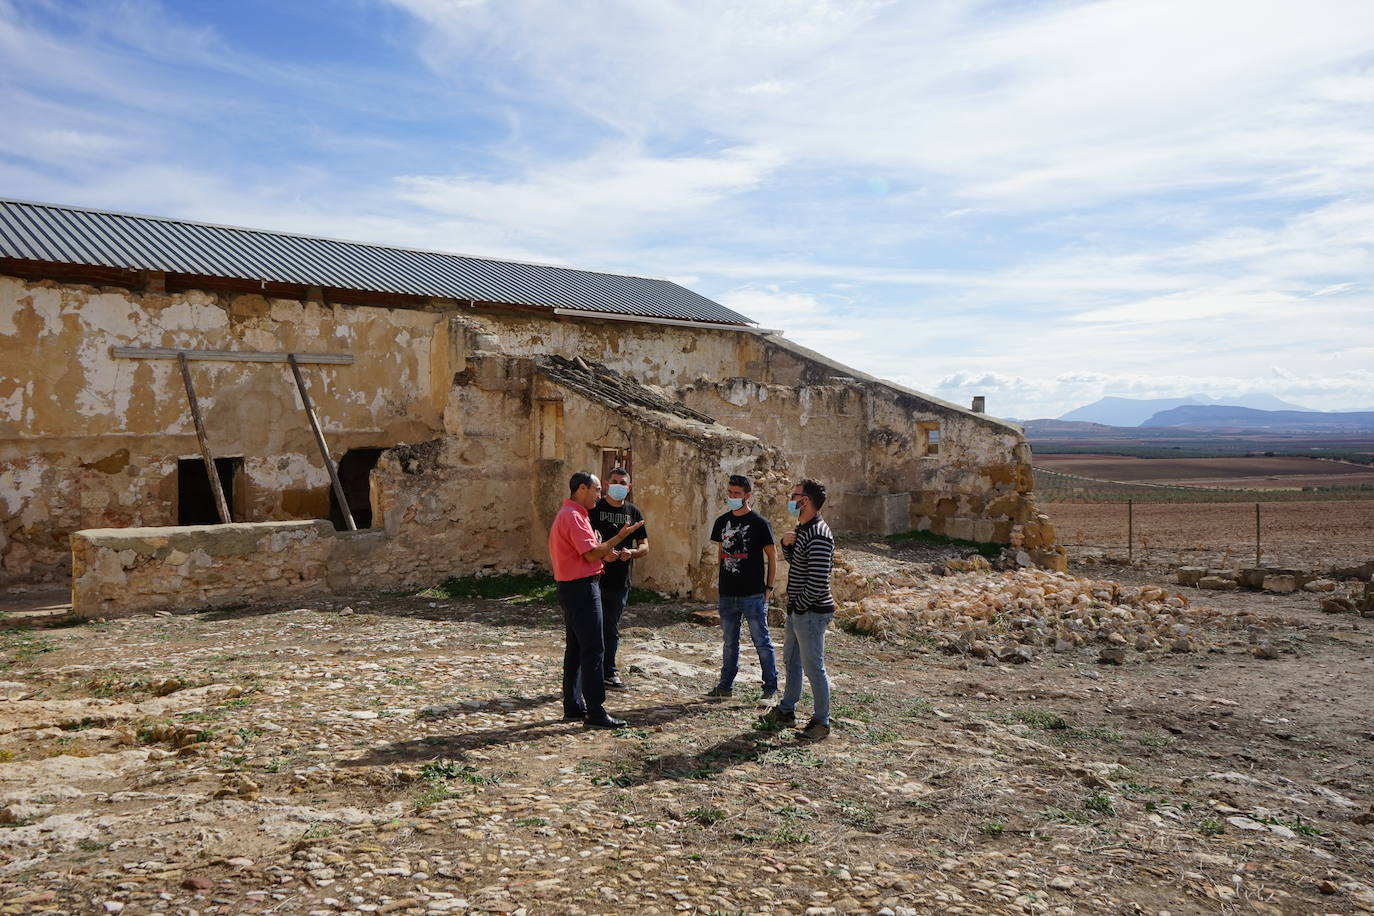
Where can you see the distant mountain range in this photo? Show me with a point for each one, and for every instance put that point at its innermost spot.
(1206, 416)
(1135, 411)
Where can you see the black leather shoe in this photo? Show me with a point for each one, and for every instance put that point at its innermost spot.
(605, 721)
(574, 716)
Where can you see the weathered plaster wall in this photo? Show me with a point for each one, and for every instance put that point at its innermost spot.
(867, 440)
(88, 440)
(872, 446)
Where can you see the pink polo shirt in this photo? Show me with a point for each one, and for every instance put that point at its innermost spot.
(569, 538)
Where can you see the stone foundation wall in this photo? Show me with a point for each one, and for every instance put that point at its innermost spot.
(122, 571)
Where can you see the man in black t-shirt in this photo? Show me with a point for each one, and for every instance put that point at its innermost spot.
(611, 513)
(748, 565)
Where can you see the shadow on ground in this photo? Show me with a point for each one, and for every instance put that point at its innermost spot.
(452, 746)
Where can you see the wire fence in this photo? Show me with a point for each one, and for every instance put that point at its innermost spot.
(1136, 521)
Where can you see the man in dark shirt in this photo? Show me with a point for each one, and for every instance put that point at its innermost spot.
(748, 565)
(611, 513)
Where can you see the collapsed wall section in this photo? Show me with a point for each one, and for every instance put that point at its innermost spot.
(679, 460)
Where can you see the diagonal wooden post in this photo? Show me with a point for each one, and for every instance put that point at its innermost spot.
(319, 440)
(221, 506)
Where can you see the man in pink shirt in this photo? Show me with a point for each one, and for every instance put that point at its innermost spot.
(576, 556)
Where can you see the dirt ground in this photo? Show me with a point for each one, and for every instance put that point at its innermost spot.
(405, 754)
(1299, 533)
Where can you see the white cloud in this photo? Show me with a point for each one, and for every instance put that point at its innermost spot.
(614, 192)
(1020, 104)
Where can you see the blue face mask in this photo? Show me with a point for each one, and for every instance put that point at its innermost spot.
(793, 507)
(735, 504)
(617, 491)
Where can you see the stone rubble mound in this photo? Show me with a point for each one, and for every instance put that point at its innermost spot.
(1012, 615)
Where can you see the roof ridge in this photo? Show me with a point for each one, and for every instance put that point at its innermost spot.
(325, 238)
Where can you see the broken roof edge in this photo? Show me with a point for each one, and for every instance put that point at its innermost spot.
(752, 328)
(639, 403)
(797, 349)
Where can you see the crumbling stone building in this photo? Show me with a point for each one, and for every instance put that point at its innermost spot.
(455, 395)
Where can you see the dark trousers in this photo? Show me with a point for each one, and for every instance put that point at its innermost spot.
(584, 687)
(614, 596)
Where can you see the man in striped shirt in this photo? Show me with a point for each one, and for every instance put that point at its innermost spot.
(810, 555)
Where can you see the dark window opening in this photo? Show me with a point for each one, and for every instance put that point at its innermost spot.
(355, 473)
(195, 498)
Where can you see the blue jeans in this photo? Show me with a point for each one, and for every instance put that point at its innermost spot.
(613, 599)
(803, 649)
(753, 608)
(584, 690)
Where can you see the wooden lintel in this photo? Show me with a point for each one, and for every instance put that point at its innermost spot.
(231, 356)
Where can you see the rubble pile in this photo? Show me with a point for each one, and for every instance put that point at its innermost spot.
(1010, 616)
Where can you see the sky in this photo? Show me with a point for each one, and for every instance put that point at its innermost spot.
(1041, 202)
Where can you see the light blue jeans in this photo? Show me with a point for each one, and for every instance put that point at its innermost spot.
(753, 608)
(803, 649)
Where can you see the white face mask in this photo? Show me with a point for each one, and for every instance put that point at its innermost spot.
(735, 504)
(617, 491)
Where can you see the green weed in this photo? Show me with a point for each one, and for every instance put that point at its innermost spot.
(707, 817)
(522, 588)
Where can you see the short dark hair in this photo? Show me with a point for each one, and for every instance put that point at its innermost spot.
(577, 480)
(815, 491)
(744, 483)
(621, 471)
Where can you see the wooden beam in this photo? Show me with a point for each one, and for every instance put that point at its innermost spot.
(319, 440)
(231, 356)
(221, 506)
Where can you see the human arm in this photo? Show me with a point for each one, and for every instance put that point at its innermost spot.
(770, 567)
(635, 552)
(819, 562)
(609, 546)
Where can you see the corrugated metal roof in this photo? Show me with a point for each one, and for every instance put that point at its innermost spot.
(75, 235)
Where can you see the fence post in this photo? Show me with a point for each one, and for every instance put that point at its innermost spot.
(1257, 535)
(1130, 531)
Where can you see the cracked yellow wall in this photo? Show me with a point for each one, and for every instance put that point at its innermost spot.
(91, 441)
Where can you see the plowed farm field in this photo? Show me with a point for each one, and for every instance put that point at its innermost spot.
(1300, 533)
(1247, 473)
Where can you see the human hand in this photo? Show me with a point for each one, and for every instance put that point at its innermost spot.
(789, 538)
(630, 529)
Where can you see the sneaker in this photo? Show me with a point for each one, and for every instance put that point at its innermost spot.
(768, 696)
(615, 683)
(719, 691)
(776, 716)
(814, 731)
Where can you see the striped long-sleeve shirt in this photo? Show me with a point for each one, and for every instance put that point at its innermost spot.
(810, 559)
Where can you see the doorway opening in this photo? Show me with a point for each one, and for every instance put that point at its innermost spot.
(355, 473)
(615, 458)
(195, 498)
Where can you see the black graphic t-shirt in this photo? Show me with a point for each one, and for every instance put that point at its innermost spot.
(607, 520)
(742, 539)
